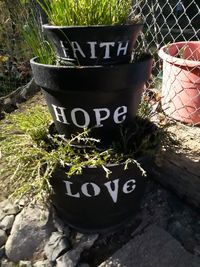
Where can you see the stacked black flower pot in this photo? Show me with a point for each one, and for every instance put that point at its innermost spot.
(101, 91)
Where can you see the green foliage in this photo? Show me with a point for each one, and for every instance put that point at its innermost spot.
(39, 45)
(30, 156)
(86, 12)
(14, 71)
(25, 159)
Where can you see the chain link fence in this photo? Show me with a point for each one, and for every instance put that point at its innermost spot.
(169, 22)
(14, 52)
(166, 22)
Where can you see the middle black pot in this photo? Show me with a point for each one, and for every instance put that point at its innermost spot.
(92, 97)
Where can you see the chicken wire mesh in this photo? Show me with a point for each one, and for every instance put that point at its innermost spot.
(167, 23)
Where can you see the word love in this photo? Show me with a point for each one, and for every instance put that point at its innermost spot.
(103, 48)
(82, 119)
(93, 190)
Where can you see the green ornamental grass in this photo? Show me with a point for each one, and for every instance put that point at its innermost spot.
(35, 40)
(86, 12)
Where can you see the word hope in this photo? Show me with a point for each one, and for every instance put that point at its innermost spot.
(82, 119)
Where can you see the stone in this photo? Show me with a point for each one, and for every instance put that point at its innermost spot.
(197, 250)
(44, 263)
(10, 102)
(6, 263)
(7, 222)
(83, 265)
(56, 245)
(2, 251)
(3, 237)
(25, 264)
(28, 91)
(9, 105)
(60, 225)
(182, 234)
(71, 258)
(31, 229)
(7, 208)
(176, 167)
(152, 248)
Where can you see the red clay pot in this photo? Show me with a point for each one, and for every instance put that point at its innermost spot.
(181, 81)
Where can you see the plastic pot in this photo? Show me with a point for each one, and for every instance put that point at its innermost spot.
(94, 45)
(91, 202)
(181, 81)
(92, 97)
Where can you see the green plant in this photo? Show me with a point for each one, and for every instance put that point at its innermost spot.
(14, 66)
(86, 12)
(30, 157)
(39, 45)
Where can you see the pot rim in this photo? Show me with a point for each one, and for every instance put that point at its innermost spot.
(34, 62)
(112, 165)
(175, 60)
(49, 26)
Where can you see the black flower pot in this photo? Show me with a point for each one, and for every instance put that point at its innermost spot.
(94, 45)
(101, 98)
(91, 202)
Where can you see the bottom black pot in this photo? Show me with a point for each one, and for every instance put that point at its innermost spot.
(91, 202)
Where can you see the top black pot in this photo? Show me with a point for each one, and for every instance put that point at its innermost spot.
(94, 45)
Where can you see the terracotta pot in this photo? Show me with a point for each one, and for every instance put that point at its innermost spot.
(181, 81)
(94, 45)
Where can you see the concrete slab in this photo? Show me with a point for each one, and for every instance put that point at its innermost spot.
(153, 248)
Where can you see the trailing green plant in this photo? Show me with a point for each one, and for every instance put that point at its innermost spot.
(86, 12)
(30, 156)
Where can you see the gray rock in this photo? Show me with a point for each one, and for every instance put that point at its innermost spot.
(44, 263)
(3, 237)
(2, 252)
(64, 261)
(6, 263)
(56, 245)
(153, 248)
(59, 225)
(27, 91)
(7, 208)
(71, 258)
(197, 250)
(184, 235)
(9, 103)
(31, 229)
(83, 265)
(25, 264)
(7, 222)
